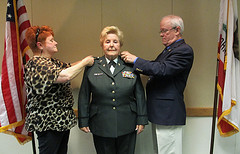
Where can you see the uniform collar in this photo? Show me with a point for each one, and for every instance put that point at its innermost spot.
(115, 60)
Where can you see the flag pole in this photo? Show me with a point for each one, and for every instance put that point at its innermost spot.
(214, 112)
(33, 143)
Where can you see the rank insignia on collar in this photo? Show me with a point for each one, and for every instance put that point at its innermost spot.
(128, 74)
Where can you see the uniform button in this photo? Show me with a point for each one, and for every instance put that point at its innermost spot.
(113, 83)
(113, 92)
(114, 108)
(113, 100)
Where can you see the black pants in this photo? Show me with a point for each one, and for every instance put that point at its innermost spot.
(121, 145)
(53, 142)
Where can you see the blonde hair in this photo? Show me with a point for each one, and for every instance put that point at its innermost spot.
(111, 30)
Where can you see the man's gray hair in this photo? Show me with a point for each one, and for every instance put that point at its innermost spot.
(176, 21)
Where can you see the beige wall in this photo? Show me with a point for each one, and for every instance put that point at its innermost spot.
(78, 23)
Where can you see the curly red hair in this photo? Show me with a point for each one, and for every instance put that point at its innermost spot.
(44, 32)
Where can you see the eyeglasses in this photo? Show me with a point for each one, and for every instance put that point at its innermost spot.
(163, 31)
(37, 33)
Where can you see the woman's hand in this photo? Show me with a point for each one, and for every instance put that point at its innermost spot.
(71, 72)
(139, 128)
(85, 129)
(88, 61)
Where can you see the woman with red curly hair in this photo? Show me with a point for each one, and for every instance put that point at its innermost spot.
(50, 100)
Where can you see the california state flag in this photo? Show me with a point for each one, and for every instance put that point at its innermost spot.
(228, 69)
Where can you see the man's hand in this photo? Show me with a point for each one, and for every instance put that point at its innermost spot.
(128, 57)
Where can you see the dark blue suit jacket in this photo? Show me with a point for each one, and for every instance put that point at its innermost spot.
(167, 80)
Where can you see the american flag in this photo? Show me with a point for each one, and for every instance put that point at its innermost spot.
(12, 92)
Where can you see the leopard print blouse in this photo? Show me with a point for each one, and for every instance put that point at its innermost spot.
(49, 105)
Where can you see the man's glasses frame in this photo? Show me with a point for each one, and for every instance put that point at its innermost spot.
(163, 31)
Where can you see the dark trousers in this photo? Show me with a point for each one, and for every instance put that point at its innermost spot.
(121, 145)
(53, 142)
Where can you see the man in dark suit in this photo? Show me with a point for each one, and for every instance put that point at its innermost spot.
(168, 75)
(117, 111)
